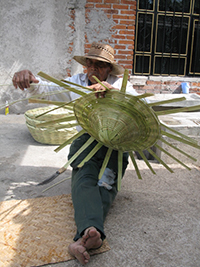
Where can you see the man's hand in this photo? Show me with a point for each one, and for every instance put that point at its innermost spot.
(23, 79)
(101, 90)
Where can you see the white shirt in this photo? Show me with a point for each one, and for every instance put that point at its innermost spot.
(82, 79)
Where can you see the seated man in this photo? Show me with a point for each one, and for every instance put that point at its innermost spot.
(92, 198)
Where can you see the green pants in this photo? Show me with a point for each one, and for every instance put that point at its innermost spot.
(92, 202)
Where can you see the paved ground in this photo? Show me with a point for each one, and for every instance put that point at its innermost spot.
(154, 222)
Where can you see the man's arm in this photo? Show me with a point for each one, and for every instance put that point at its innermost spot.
(23, 79)
(26, 80)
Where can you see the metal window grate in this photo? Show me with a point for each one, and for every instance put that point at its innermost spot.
(167, 38)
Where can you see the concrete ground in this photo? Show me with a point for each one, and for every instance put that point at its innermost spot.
(153, 222)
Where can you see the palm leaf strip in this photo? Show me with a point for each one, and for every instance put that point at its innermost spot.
(75, 84)
(146, 161)
(180, 139)
(34, 98)
(166, 101)
(167, 153)
(63, 105)
(98, 81)
(48, 123)
(69, 141)
(135, 165)
(180, 134)
(159, 159)
(63, 180)
(105, 162)
(124, 81)
(89, 142)
(177, 110)
(91, 154)
(119, 173)
(144, 95)
(43, 101)
(64, 85)
(177, 149)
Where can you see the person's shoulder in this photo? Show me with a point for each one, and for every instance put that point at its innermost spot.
(112, 79)
(77, 77)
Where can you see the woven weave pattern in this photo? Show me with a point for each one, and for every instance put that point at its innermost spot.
(119, 121)
(49, 134)
(37, 231)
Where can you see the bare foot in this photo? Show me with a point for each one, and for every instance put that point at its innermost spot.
(91, 238)
(77, 250)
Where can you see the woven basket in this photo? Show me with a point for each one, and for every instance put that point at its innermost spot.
(119, 121)
(49, 134)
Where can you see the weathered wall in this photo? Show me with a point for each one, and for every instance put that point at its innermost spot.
(37, 35)
(121, 31)
(46, 34)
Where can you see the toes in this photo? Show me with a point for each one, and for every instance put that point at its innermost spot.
(79, 252)
(92, 238)
(91, 232)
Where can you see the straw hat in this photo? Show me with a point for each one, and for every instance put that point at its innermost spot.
(101, 52)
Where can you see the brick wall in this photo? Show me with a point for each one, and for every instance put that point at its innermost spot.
(164, 85)
(123, 13)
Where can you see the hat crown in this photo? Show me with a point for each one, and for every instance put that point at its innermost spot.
(103, 51)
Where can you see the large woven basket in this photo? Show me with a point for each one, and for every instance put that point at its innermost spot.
(119, 121)
(48, 134)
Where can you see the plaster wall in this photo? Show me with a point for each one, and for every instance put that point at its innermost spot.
(37, 35)
(44, 35)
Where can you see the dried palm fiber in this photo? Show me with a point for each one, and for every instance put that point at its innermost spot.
(121, 111)
(119, 121)
(37, 231)
(125, 123)
(54, 134)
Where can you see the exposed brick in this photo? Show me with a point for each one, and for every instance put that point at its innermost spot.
(112, 11)
(127, 12)
(126, 62)
(128, 2)
(153, 82)
(125, 52)
(126, 32)
(140, 91)
(118, 36)
(118, 26)
(132, 7)
(128, 67)
(120, 47)
(124, 17)
(170, 83)
(120, 7)
(195, 84)
(129, 27)
(126, 22)
(131, 37)
(103, 6)
(116, 21)
(131, 46)
(148, 87)
(94, 1)
(121, 57)
(126, 42)
(111, 1)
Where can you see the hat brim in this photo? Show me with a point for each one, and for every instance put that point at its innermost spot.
(116, 69)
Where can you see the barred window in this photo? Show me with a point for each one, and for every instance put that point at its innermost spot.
(167, 38)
